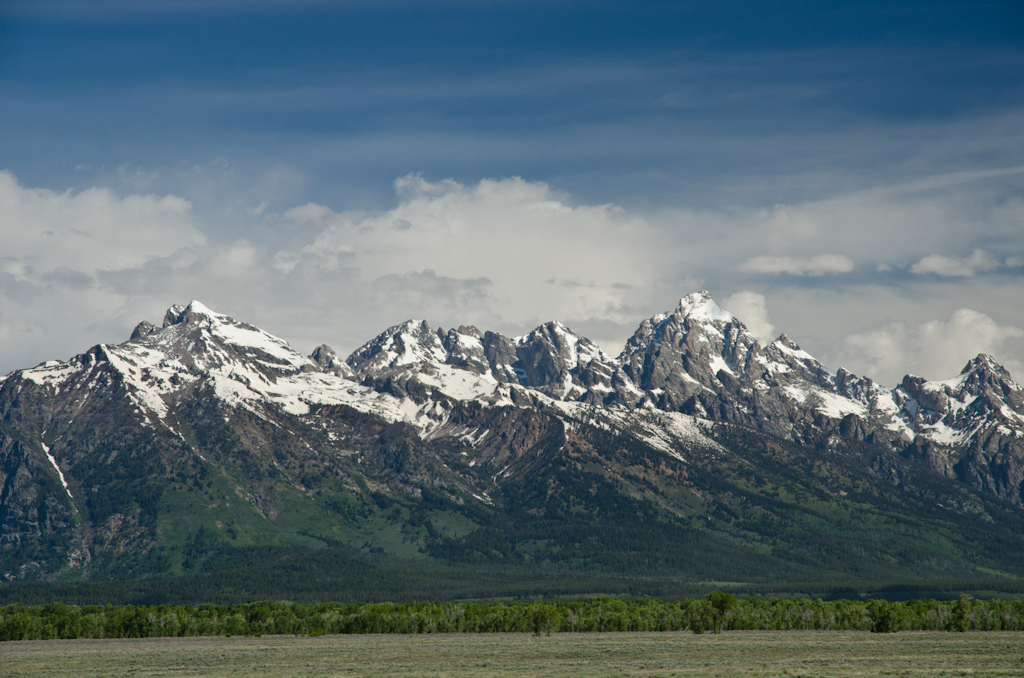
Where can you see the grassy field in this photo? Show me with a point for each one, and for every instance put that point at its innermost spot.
(738, 653)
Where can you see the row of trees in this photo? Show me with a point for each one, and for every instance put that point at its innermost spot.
(718, 611)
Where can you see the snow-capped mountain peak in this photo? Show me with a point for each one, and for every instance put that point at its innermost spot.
(983, 370)
(677, 356)
(785, 360)
(700, 307)
(329, 361)
(557, 361)
(196, 347)
(970, 409)
(410, 343)
(194, 313)
(572, 349)
(204, 335)
(550, 359)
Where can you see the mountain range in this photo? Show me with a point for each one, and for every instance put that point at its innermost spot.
(696, 454)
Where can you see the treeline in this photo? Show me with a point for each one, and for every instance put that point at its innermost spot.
(718, 611)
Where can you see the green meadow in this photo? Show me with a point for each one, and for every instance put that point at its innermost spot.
(651, 655)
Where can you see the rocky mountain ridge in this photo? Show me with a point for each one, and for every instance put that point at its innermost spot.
(207, 408)
(699, 360)
(702, 361)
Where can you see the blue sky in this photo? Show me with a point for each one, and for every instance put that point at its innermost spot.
(849, 172)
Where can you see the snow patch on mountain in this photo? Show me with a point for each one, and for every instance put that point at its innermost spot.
(836, 406)
(60, 473)
(718, 364)
(52, 374)
(797, 353)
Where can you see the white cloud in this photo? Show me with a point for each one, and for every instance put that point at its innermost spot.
(892, 227)
(79, 269)
(507, 255)
(936, 349)
(56, 249)
(541, 256)
(964, 267)
(814, 266)
(750, 307)
(93, 230)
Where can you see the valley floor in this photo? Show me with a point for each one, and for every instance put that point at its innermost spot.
(737, 653)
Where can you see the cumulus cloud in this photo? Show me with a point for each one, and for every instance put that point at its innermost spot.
(508, 254)
(963, 267)
(57, 247)
(88, 231)
(936, 349)
(814, 266)
(887, 228)
(511, 251)
(752, 309)
(504, 254)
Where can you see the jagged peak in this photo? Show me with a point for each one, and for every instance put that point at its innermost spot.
(328, 360)
(701, 307)
(143, 329)
(550, 328)
(787, 345)
(418, 330)
(323, 355)
(983, 362)
(181, 323)
(560, 336)
(695, 310)
(845, 376)
(982, 369)
(406, 343)
(413, 328)
(458, 340)
(194, 312)
(198, 307)
(174, 315)
(412, 323)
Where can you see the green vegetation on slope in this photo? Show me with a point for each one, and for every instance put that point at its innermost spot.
(233, 513)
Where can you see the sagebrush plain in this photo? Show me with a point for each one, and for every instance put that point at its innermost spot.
(741, 653)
